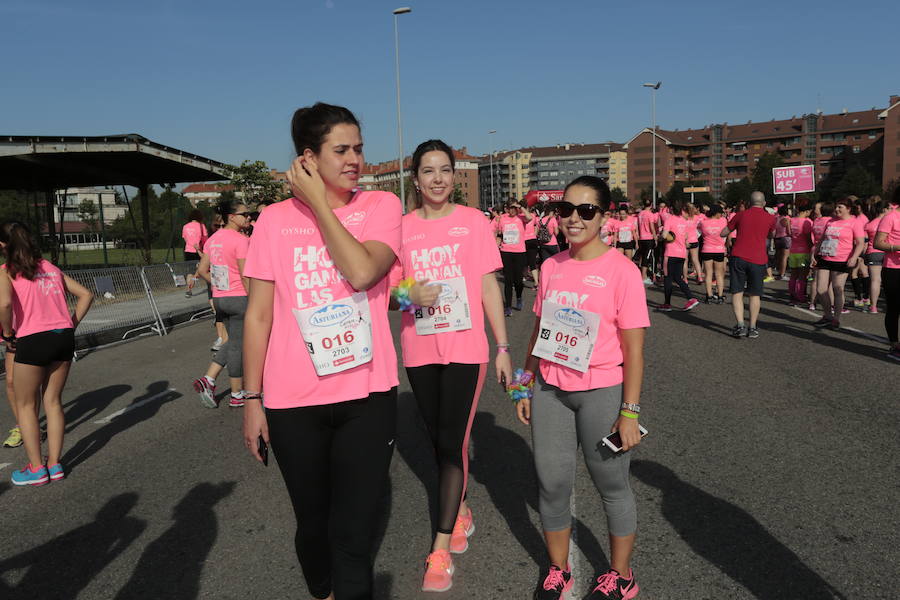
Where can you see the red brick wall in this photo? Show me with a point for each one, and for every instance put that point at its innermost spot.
(640, 171)
(891, 164)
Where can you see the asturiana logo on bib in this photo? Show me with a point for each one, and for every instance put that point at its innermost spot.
(458, 231)
(594, 280)
(570, 317)
(330, 315)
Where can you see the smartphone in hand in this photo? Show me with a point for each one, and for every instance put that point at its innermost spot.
(614, 441)
(263, 449)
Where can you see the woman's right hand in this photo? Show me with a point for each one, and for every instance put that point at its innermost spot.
(523, 410)
(255, 425)
(423, 294)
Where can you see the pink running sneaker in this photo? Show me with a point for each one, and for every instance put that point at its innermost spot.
(207, 392)
(459, 539)
(873, 310)
(612, 586)
(438, 572)
(664, 308)
(690, 304)
(555, 584)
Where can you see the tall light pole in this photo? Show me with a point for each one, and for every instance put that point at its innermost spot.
(653, 87)
(491, 132)
(399, 11)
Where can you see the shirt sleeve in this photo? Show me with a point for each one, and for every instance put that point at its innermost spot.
(488, 250)
(888, 223)
(631, 300)
(546, 273)
(859, 230)
(259, 263)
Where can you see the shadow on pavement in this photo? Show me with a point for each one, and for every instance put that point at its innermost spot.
(172, 564)
(414, 445)
(4, 486)
(89, 405)
(92, 443)
(731, 539)
(383, 588)
(64, 566)
(503, 464)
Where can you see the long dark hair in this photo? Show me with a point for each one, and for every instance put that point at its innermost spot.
(22, 253)
(421, 150)
(604, 197)
(311, 124)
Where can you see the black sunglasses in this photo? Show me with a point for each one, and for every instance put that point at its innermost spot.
(585, 211)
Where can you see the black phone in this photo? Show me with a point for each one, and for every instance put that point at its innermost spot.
(263, 449)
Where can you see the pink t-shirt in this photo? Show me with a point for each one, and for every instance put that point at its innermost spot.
(818, 228)
(862, 218)
(553, 228)
(691, 231)
(677, 226)
(627, 229)
(40, 304)
(801, 235)
(609, 285)
(511, 231)
(844, 232)
(608, 231)
(890, 224)
(288, 249)
(645, 219)
(871, 228)
(194, 234)
(713, 243)
(225, 247)
(530, 227)
(458, 245)
(780, 228)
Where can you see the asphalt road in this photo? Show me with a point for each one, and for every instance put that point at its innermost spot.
(771, 471)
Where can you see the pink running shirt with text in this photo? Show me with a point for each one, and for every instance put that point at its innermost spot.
(287, 248)
(514, 230)
(713, 243)
(801, 235)
(871, 228)
(609, 285)
(225, 247)
(645, 219)
(629, 225)
(818, 228)
(194, 234)
(530, 229)
(677, 226)
(845, 231)
(458, 245)
(890, 224)
(39, 304)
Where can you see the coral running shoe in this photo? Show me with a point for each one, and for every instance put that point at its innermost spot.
(554, 585)
(207, 392)
(459, 539)
(690, 304)
(15, 438)
(612, 586)
(438, 572)
(30, 476)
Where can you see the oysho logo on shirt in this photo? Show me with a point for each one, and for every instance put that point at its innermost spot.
(354, 219)
(298, 230)
(458, 231)
(594, 281)
(415, 238)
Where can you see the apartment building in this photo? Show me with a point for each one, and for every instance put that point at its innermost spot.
(386, 176)
(553, 167)
(719, 154)
(618, 170)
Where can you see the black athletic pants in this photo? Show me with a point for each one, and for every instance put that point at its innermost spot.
(890, 278)
(334, 459)
(513, 266)
(447, 396)
(675, 273)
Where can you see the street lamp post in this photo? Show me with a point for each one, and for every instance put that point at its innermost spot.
(653, 87)
(399, 11)
(491, 132)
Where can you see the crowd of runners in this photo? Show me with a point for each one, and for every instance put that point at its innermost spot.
(302, 291)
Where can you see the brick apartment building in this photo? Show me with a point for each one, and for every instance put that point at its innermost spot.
(720, 154)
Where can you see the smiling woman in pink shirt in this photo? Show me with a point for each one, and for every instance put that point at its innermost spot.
(587, 352)
(317, 339)
(836, 253)
(33, 296)
(449, 251)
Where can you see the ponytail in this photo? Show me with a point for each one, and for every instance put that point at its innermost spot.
(22, 254)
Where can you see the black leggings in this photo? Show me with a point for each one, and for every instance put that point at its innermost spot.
(334, 459)
(447, 396)
(891, 280)
(513, 266)
(675, 273)
(532, 249)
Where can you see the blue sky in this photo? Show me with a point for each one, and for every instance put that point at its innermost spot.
(221, 79)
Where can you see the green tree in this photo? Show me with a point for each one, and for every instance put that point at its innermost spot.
(255, 182)
(761, 178)
(87, 214)
(458, 197)
(618, 196)
(857, 181)
(737, 192)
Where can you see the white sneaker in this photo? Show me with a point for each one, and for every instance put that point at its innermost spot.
(217, 345)
(648, 282)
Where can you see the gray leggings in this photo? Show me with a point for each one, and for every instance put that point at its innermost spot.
(230, 355)
(559, 422)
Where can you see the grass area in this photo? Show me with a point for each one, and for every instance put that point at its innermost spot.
(117, 256)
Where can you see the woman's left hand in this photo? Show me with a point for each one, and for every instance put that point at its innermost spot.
(503, 363)
(628, 431)
(306, 183)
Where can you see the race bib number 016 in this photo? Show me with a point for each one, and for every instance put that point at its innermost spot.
(450, 313)
(567, 336)
(338, 336)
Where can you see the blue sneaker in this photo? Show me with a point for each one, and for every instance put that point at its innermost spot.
(27, 476)
(56, 472)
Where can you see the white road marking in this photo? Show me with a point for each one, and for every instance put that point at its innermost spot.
(133, 406)
(574, 552)
(871, 336)
(4, 465)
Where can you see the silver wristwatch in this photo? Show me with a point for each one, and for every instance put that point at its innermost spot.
(635, 408)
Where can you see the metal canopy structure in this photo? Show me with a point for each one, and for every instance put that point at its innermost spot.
(48, 163)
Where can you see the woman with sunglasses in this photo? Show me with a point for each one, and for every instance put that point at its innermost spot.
(587, 353)
(836, 253)
(510, 230)
(674, 233)
(449, 252)
(222, 266)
